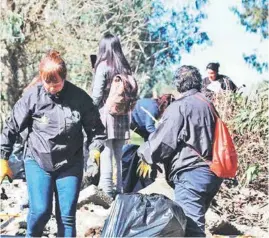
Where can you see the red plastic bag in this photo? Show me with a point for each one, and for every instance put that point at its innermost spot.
(224, 157)
(224, 161)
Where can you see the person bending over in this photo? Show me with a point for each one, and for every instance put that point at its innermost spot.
(146, 113)
(181, 141)
(54, 112)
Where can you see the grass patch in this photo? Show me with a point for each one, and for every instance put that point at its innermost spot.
(136, 139)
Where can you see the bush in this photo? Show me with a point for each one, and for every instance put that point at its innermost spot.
(247, 119)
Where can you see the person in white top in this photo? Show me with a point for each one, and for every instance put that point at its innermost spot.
(215, 82)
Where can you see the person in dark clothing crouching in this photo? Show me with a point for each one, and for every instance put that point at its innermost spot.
(146, 112)
(182, 141)
(54, 111)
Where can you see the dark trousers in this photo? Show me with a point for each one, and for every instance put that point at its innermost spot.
(41, 186)
(194, 191)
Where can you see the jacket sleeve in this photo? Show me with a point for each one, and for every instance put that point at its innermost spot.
(150, 124)
(228, 84)
(16, 123)
(99, 84)
(162, 143)
(93, 125)
(149, 121)
(232, 85)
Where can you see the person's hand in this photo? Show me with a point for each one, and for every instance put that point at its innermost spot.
(95, 156)
(5, 171)
(144, 169)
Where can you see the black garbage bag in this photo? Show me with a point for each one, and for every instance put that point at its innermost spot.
(16, 162)
(140, 215)
(130, 180)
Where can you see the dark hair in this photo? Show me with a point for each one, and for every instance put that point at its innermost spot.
(213, 66)
(164, 101)
(110, 51)
(188, 77)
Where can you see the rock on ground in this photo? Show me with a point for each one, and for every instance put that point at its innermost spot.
(233, 212)
(90, 216)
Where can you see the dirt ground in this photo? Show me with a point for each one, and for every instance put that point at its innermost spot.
(235, 211)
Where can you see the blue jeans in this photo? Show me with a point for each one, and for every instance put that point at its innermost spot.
(194, 191)
(41, 186)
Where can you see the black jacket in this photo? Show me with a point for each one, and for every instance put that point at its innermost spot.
(54, 125)
(225, 83)
(185, 130)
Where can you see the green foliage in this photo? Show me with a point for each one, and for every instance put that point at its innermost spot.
(30, 28)
(252, 117)
(11, 29)
(247, 119)
(251, 174)
(172, 30)
(74, 28)
(254, 17)
(136, 139)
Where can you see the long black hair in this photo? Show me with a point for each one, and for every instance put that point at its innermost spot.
(110, 51)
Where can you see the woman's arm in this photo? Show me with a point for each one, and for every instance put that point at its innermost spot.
(92, 124)
(16, 123)
(99, 83)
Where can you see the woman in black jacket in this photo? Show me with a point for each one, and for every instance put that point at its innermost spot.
(54, 111)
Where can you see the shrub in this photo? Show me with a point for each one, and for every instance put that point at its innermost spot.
(247, 119)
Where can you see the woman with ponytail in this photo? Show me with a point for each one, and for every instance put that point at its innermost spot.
(54, 112)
